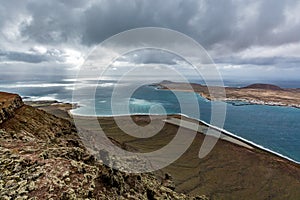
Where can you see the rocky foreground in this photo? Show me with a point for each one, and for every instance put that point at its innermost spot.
(264, 94)
(41, 157)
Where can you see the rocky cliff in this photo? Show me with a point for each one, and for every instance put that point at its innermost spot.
(41, 157)
(8, 104)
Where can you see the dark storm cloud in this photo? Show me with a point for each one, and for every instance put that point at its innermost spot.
(208, 22)
(107, 18)
(221, 26)
(53, 21)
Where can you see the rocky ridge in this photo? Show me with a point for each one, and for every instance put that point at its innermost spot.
(42, 157)
(8, 104)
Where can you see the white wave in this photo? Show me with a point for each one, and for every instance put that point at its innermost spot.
(70, 80)
(67, 86)
(45, 98)
(105, 84)
(134, 101)
(37, 85)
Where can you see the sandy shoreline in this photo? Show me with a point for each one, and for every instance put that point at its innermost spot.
(63, 110)
(235, 169)
(232, 138)
(227, 164)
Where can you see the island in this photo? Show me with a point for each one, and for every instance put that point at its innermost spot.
(265, 94)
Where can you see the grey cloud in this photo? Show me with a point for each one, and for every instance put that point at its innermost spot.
(107, 18)
(208, 22)
(32, 56)
(259, 30)
(206, 25)
(222, 26)
(270, 61)
(52, 22)
(150, 57)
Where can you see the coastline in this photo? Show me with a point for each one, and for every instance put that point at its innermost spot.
(230, 162)
(259, 102)
(256, 96)
(236, 170)
(223, 131)
(249, 101)
(59, 108)
(257, 146)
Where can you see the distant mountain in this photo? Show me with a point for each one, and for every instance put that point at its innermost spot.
(263, 86)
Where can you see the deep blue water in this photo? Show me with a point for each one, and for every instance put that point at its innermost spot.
(273, 127)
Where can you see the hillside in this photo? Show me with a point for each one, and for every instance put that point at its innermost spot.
(229, 171)
(41, 157)
(263, 86)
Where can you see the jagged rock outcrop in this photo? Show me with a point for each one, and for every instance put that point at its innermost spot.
(42, 157)
(8, 104)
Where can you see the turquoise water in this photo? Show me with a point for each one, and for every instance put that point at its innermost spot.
(276, 128)
(273, 127)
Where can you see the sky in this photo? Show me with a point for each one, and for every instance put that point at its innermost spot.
(247, 39)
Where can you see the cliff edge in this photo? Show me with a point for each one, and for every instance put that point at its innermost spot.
(42, 157)
(8, 105)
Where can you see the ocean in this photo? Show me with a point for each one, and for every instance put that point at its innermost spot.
(273, 127)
